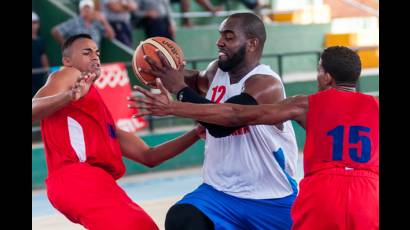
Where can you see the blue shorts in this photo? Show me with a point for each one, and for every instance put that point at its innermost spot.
(229, 212)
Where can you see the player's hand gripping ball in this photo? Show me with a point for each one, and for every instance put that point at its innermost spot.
(171, 51)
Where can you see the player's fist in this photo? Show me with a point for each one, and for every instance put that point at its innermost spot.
(82, 85)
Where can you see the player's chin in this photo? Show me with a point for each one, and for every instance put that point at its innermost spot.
(97, 72)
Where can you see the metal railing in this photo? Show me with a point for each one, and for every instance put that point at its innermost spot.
(195, 61)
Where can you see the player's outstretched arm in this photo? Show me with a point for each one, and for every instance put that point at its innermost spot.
(232, 115)
(61, 88)
(226, 114)
(137, 150)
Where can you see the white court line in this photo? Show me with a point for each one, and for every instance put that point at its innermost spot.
(373, 93)
(39, 145)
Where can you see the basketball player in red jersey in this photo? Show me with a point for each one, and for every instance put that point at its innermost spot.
(340, 189)
(84, 149)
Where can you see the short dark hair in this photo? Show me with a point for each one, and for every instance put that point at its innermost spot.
(69, 42)
(342, 63)
(252, 26)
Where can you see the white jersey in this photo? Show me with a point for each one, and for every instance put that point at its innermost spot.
(244, 164)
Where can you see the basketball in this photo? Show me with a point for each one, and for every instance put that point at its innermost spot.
(172, 52)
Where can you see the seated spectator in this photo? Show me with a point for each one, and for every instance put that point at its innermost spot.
(89, 21)
(118, 15)
(185, 5)
(156, 18)
(255, 4)
(38, 55)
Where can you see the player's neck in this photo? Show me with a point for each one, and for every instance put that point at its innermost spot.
(237, 75)
(347, 88)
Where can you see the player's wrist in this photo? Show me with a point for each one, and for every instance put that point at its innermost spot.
(172, 107)
(68, 96)
(187, 94)
(176, 89)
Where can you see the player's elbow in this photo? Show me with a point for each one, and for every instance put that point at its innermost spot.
(148, 160)
(150, 165)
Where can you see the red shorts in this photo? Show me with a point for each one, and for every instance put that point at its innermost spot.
(337, 199)
(90, 196)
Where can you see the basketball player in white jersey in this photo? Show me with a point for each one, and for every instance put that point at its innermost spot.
(248, 171)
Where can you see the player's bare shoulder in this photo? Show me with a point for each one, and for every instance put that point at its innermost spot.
(263, 80)
(264, 88)
(210, 71)
(206, 76)
(59, 81)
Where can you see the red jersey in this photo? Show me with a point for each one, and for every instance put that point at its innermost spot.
(82, 131)
(342, 131)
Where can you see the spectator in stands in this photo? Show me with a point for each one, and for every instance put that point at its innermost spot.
(97, 5)
(89, 21)
(156, 18)
(118, 14)
(38, 55)
(255, 4)
(185, 4)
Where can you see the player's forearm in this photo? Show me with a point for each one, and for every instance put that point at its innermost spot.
(220, 114)
(170, 149)
(45, 106)
(230, 115)
(137, 150)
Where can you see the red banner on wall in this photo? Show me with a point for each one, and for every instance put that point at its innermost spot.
(114, 87)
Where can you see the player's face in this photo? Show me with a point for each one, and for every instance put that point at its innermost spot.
(85, 56)
(231, 45)
(87, 12)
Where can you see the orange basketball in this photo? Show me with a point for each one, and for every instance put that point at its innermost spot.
(170, 49)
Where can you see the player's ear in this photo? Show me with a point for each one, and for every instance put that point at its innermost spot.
(66, 61)
(328, 79)
(252, 44)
